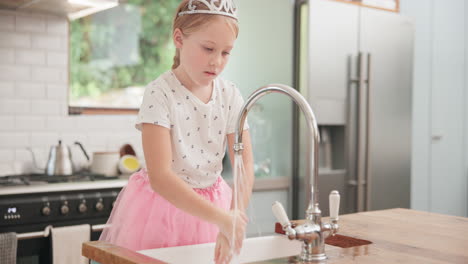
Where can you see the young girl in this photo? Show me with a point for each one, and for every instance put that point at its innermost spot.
(187, 117)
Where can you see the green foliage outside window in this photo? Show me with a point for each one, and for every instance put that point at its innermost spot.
(126, 46)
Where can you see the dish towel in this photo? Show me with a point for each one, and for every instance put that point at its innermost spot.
(67, 242)
(8, 246)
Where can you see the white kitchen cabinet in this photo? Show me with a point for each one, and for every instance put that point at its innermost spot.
(448, 175)
(420, 12)
(440, 141)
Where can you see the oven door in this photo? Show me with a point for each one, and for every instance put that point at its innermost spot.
(35, 245)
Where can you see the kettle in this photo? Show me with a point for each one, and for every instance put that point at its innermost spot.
(60, 160)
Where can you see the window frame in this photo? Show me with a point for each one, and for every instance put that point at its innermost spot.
(91, 110)
(77, 110)
(354, 2)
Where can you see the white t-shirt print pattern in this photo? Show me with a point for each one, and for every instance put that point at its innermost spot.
(198, 130)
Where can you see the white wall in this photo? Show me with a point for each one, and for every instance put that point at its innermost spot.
(421, 14)
(439, 166)
(33, 95)
(448, 193)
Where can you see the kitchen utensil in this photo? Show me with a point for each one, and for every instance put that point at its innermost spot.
(105, 163)
(59, 161)
(127, 149)
(129, 164)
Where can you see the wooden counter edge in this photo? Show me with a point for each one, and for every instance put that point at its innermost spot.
(107, 253)
(279, 228)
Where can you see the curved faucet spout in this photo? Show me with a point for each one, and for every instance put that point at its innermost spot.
(312, 164)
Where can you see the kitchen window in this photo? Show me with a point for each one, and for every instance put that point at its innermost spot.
(116, 52)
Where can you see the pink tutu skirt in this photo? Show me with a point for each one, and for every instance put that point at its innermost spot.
(142, 219)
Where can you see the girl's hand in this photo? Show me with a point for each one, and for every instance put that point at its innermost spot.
(223, 252)
(232, 226)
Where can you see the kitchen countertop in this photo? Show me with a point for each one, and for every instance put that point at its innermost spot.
(65, 186)
(397, 236)
(400, 236)
(261, 184)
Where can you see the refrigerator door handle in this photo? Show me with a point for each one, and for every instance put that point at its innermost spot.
(358, 134)
(368, 176)
(351, 132)
(361, 136)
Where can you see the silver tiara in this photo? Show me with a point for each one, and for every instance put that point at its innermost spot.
(225, 8)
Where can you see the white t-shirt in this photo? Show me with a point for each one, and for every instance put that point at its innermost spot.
(198, 130)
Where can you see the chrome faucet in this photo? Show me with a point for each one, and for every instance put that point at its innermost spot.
(313, 232)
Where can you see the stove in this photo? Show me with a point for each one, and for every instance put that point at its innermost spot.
(32, 203)
(37, 178)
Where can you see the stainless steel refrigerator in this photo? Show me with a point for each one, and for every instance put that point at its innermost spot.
(358, 79)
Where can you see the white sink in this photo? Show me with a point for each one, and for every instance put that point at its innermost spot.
(254, 249)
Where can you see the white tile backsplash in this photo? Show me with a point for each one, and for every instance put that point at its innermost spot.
(30, 23)
(96, 123)
(115, 142)
(61, 123)
(7, 155)
(32, 123)
(15, 40)
(56, 58)
(7, 89)
(57, 26)
(7, 123)
(99, 139)
(22, 154)
(46, 42)
(12, 140)
(7, 22)
(7, 56)
(14, 72)
(45, 107)
(44, 139)
(30, 57)
(52, 75)
(70, 138)
(34, 94)
(15, 106)
(57, 91)
(6, 168)
(30, 90)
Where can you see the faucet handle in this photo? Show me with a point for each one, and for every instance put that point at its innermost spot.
(334, 205)
(280, 214)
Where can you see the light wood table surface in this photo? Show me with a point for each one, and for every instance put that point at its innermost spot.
(397, 236)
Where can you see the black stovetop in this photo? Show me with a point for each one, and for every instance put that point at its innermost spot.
(38, 178)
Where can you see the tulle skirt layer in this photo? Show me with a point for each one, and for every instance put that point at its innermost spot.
(142, 219)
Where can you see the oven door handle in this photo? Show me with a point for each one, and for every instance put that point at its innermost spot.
(47, 229)
(97, 228)
(38, 234)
